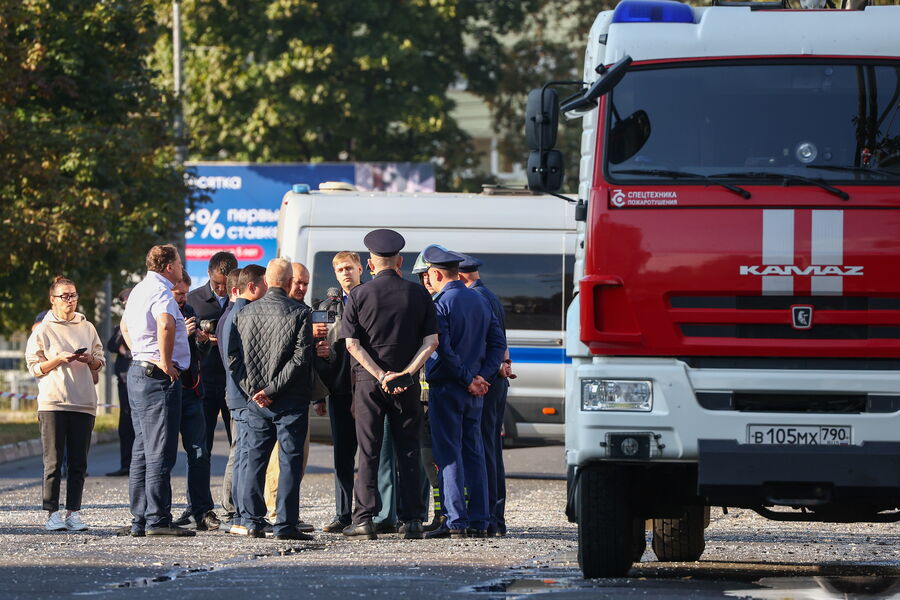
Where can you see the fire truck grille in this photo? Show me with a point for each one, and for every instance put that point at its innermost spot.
(785, 302)
(799, 403)
(786, 332)
(845, 317)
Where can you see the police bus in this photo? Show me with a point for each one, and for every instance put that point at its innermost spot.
(526, 244)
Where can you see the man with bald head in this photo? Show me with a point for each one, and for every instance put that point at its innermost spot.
(299, 287)
(272, 357)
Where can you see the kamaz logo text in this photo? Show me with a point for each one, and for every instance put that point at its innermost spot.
(812, 270)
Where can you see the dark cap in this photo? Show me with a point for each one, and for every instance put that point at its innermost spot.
(469, 264)
(438, 256)
(384, 242)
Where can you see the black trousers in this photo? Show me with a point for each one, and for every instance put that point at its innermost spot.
(126, 427)
(343, 436)
(372, 405)
(70, 432)
(213, 404)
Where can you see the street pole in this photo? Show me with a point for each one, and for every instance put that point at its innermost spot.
(180, 148)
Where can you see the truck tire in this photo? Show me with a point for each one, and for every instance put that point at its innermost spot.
(680, 540)
(606, 529)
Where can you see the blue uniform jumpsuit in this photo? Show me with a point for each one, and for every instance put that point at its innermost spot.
(491, 425)
(471, 343)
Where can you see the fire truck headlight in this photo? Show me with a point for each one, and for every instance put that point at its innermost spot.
(616, 394)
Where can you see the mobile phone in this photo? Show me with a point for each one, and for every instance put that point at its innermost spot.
(404, 381)
(323, 316)
(81, 351)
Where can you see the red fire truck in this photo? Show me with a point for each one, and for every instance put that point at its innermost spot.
(735, 339)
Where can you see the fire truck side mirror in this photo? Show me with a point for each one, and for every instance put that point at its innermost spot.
(541, 118)
(545, 170)
(603, 85)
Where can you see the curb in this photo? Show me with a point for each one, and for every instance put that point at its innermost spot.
(29, 448)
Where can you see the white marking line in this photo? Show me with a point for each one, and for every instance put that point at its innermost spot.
(827, 249)
(778, 249)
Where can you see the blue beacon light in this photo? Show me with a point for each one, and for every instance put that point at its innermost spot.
(652, 11)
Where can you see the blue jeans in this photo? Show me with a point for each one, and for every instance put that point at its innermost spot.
(263, 428)
(455, 418)
(156, 416)
(193, 440)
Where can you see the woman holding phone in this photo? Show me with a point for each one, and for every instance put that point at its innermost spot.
(65, 354)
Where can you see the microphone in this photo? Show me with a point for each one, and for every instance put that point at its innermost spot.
(334, 293)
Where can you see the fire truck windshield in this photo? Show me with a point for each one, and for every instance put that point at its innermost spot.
(833, 121)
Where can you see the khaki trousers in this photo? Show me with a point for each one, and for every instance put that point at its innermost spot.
(271, 489)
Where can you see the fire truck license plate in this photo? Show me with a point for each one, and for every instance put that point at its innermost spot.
(800, 435)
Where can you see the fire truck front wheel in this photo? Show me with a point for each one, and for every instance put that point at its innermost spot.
(606, 523)
(680, 540)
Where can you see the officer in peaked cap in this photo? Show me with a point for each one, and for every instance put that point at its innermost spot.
(471, 349)
(391, 328)
(494, 404)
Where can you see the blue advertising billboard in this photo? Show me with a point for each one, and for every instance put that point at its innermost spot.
(242, 217)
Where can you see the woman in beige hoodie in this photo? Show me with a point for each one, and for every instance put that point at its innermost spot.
(65, 354)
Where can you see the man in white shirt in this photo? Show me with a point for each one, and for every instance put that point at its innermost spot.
(154, 329)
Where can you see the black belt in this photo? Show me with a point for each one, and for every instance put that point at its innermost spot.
(152, 370)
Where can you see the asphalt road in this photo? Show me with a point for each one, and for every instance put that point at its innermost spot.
(746, 556)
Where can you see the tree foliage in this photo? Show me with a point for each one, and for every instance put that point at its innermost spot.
(550, 46)
(309, 81)
(88, 184)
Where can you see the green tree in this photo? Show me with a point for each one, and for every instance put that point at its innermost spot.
(549, 46)
(343, 80)
(88, 183)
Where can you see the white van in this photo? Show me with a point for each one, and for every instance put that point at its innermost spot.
(526, 243)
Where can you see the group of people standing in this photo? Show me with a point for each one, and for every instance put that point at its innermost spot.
(413, 376)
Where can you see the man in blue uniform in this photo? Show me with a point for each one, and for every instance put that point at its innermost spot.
(390, 329)
(471, 349)
(494, 404)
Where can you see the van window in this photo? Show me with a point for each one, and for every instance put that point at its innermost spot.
(534, 288)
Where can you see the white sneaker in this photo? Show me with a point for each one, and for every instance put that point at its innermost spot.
(55, 522)
(74, 522)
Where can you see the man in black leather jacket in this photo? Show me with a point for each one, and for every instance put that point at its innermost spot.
(271, 356)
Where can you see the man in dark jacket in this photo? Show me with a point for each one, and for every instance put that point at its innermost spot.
(390, 329)
(335, 374)
(209, 302)
(270, 352)
(250, 285)
(199, 509)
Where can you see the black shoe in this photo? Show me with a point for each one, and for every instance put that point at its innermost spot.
(208, 521)
(118, 473)
(127, 530)
(445, 532)
(385, 527)
(256, 532)
(336, 526)
(476, 533)
(294, 535)
(172, 530)
(184, 520)
(412, 530)
(365, 529)
(436, 522)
